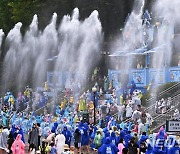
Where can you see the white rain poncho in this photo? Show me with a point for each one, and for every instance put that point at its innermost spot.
(60, 142)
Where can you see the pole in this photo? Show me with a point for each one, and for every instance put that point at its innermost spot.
(94, 108)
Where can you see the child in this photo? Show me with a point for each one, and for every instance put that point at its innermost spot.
(53, 148)
(32, 149)
(66, 149)
(44, 148)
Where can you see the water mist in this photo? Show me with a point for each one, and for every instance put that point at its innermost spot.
(75, 43)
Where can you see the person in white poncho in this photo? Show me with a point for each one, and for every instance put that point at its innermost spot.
(121, 110)
(3, 139)
(136, 115)
(176, 115)
(149, 119)
(129, 111)
(60, 142)
(141, 127)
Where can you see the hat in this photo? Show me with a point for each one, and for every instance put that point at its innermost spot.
(66, 147)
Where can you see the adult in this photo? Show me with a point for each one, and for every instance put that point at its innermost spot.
(159, 146)
(85, 136)
(129, 111)
(60, 142)
(40, 133)
(98, 139)
(67, 135)
(136, 115)
(121, 110)
(18, 147)
(77, 139)
(141, 127)
(33, 136)
(3, 139)
(108, 147)
(113, 138)
(133, 147)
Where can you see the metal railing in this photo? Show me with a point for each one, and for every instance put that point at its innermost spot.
(165, 92)
(151, 108)
(161, 119)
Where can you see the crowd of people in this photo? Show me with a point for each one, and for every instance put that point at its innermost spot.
(66, 130)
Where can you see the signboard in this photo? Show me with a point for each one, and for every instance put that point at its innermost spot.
(173, 126)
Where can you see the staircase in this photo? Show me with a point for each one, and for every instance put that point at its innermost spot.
(160, 119)
(150, 103)
(175, 89)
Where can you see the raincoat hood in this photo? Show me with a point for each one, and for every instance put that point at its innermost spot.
(143, 138)
(19, 136)
(113, 134)
(107, 134)
(107, 140)
(105, 130)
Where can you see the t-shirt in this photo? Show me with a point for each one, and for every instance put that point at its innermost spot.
(53, 150)
(133, 148)
(143, 147)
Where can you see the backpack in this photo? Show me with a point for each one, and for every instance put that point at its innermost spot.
(97, 140)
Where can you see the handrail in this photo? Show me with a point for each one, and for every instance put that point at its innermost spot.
(169, 113)
(155, 103)
(171, 109)
(165, 91)
(127, 120)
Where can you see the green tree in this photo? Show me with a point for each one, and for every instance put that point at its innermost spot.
(5, 16)
(23, 11)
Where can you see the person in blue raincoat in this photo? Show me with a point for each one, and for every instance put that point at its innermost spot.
(108, 147)
(68, 135)
(85, 138)
(150, 144)
(106, 134)
(53, 130)
(121, 135)
(15, 130)
(159, 147)
(142, 143)
(92, 136)
(142, 139)
(128, 137)
(113, 138)
(133, 87)
(5, 117)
